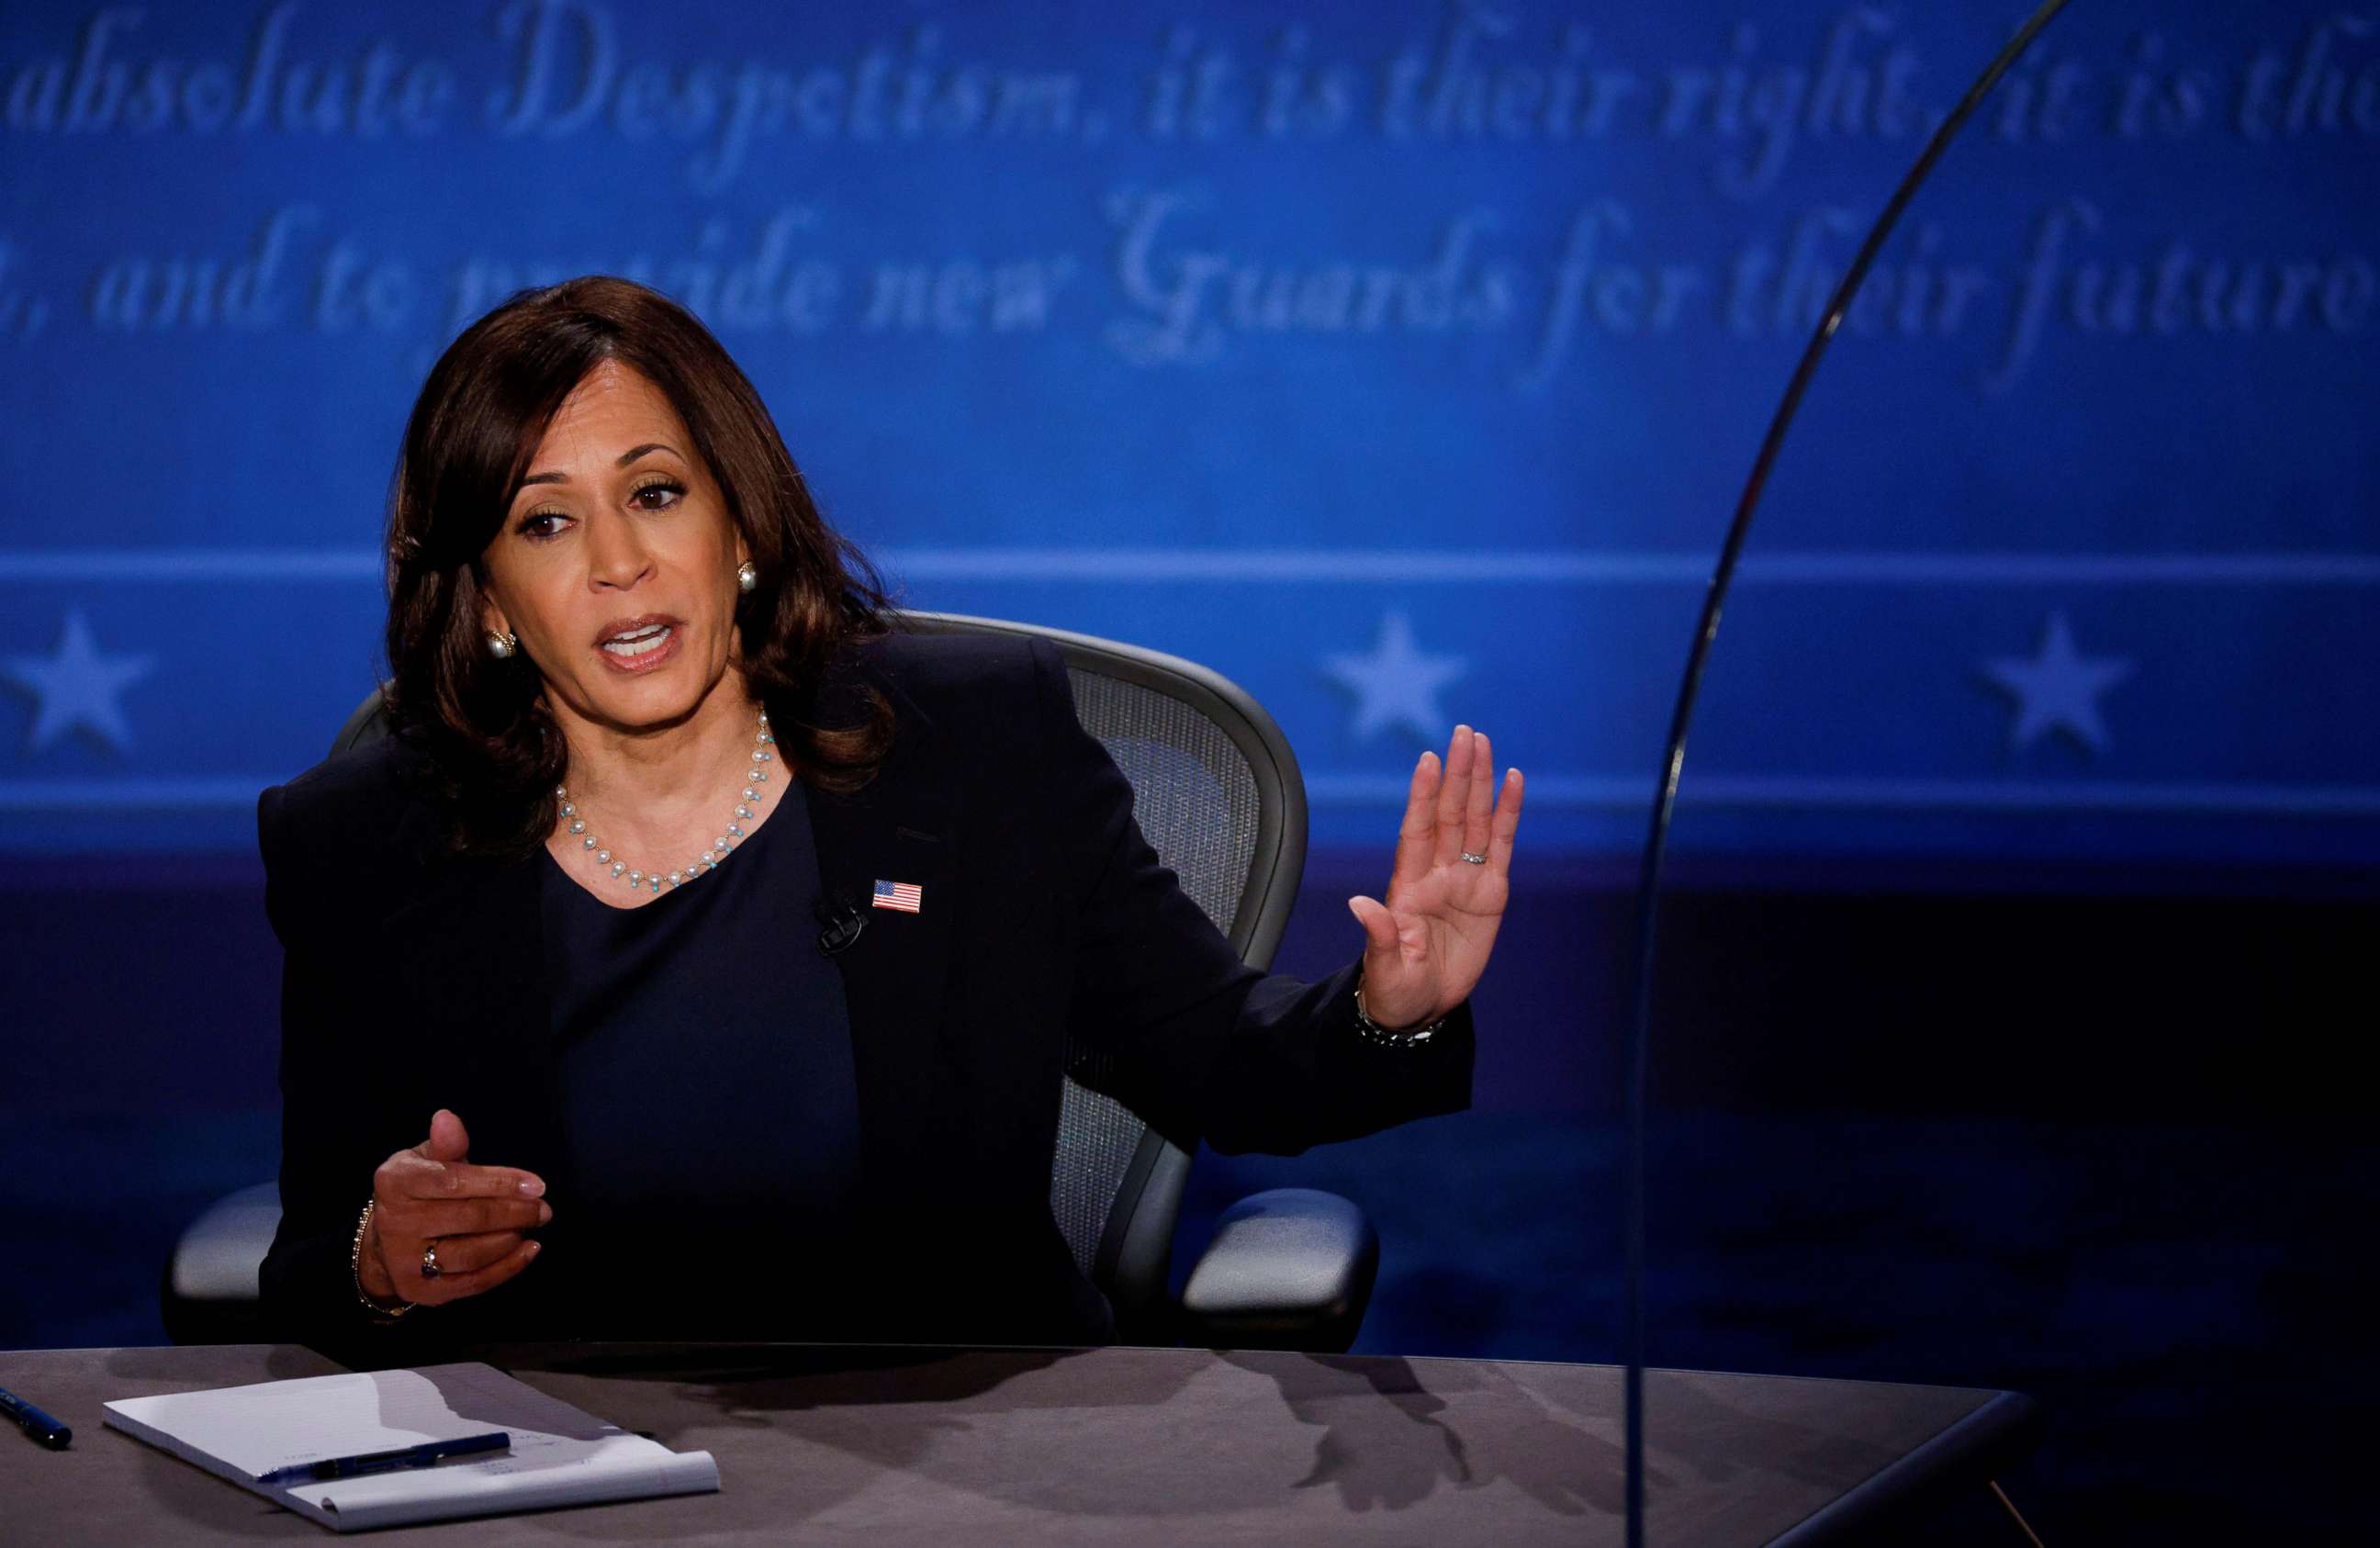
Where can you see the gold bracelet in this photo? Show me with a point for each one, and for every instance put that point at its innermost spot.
(379, 1309)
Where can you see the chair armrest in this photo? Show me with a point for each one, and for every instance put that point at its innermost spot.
(1290, 1268)
(208, 1293)
(218, 1255)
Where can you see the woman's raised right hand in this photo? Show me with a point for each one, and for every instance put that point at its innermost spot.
(477, 1215)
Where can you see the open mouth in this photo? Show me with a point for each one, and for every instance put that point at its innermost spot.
(631, 643)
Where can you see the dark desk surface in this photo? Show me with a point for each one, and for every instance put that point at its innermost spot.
(1106, 1446)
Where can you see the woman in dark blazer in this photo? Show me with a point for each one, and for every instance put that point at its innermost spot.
(543, 1078)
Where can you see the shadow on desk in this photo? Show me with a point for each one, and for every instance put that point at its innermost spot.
(1106, 1445)
(1393, 1431)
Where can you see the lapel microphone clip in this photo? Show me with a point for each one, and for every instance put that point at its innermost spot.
(841, 919)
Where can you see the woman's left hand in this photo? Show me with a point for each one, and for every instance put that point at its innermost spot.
(1428, 945)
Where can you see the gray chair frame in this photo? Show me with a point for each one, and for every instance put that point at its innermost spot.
(1289, 1268)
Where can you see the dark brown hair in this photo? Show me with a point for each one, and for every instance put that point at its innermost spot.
(495, 750)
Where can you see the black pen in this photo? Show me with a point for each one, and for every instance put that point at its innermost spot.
(33, 1421)
(427, 1453)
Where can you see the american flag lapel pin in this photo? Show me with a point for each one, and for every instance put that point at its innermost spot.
(903, 895)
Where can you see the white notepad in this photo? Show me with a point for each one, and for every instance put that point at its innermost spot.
(559, 1455)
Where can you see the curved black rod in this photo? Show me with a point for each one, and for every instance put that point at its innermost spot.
(1673, 757)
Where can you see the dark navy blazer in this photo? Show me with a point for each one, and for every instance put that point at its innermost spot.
(413, 979)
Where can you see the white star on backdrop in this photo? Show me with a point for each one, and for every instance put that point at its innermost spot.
(1396, 685)
(2058, 689)
(77, 686)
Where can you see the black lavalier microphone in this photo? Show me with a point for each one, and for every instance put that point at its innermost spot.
(841, 919)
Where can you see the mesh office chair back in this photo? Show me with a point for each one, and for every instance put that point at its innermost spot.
(1217, 793)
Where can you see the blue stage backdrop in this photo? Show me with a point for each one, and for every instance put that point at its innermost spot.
(1399, 359)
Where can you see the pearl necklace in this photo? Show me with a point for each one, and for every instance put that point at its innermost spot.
(708, 859)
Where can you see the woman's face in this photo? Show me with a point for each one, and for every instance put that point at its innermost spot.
(616, 562)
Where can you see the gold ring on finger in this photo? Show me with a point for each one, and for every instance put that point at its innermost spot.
(430, 1269)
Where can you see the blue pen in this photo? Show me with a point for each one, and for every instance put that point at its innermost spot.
(427, 1453)
(33, 1421)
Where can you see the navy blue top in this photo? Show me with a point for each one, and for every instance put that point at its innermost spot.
(710, 1114)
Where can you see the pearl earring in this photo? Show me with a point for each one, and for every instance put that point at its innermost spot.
(503, 645)
(747, 577)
